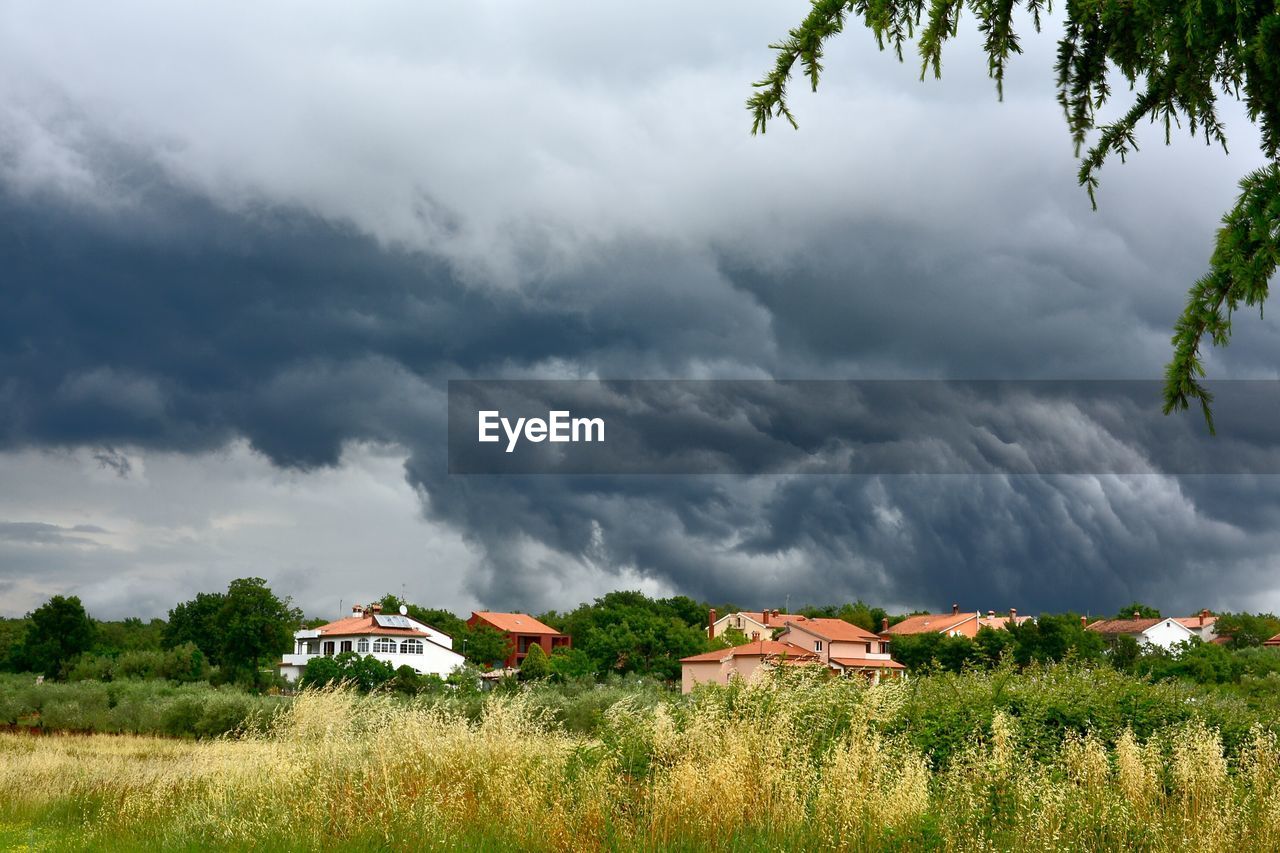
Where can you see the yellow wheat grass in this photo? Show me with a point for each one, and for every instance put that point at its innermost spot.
(801, 765)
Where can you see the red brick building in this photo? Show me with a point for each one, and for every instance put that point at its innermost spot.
(522, 632)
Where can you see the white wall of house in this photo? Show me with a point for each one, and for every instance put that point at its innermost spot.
(1165, 634)
(433, 659)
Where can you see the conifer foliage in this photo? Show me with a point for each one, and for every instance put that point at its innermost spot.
(1178, 57)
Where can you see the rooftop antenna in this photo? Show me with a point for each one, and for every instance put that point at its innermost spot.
(339, 607)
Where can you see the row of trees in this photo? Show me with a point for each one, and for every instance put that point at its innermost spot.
(237, 635)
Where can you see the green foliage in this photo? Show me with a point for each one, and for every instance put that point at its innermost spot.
(256, 626)
(535, 666)
(183, 664)
(484, 646)
(1178, 57)
(1203, 663)
(365, 673)
(407, 680)
(128, 635)
(134, 707)
(568, 664)
(628, 632)
(197, 621)
(1142, 611)
(12, 634)
(1247, 629)
(60, 630)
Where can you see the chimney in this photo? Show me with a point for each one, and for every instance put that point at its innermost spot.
(1013, 613)
(991, 614)
(375, 608)
(357, 610)
(1084, 621)
(884, 623)
(775, 613)
(711, 624)
(1204, 614)
(955, 609)
(1137, 615)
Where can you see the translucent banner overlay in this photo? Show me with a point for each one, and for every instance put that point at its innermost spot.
(855, 427)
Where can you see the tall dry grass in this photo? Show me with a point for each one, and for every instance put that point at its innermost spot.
(806, 765)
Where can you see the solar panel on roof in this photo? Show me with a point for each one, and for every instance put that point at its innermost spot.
(392, 621)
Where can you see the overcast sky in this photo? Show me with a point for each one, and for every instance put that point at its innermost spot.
(244, 248)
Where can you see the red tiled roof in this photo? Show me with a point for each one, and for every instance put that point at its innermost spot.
(1193, 622)
(358, 625)
(1122, 626)
(1274, 641)
(767, 617)
(514, 623)
(867, 663)
(836, 630)
(930, 622)
(759, 648)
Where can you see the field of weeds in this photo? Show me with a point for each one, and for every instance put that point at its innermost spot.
(801, 764)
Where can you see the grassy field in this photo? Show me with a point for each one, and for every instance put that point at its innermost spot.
(1046, 760)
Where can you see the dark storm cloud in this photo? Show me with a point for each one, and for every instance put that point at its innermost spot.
(179, 326)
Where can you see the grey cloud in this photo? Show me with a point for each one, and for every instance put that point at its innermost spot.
(303, 227)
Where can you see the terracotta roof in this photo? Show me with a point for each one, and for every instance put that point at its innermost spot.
(767, 617)
(836, 630)
(867, 663)
(364, 625)
(930, 622)
(1274, 641)
(515, 623)
(759, 648)
(1122, 626)
(1193, 622)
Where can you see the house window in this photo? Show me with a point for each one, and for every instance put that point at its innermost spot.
(868, 648)
(328, 647)
(346, 645)
(817, 645)
(411, 647)
(362, 645)
(384, 644)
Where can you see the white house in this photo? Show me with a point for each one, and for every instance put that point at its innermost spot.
(1161, 633)
(394, 638)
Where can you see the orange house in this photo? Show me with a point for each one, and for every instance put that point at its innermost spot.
(522, 632)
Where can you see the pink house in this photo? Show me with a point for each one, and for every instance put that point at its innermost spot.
(747, 661)
(843, 647)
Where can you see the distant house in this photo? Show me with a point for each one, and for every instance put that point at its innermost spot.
(1155, 633)
(747, 662)
(522, 632)
(1205, 626)
(843, 647)
(395, 638)
(1273, 642)
(755, 624)
(957, 623)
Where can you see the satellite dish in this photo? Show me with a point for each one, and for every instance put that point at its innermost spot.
(404, 611)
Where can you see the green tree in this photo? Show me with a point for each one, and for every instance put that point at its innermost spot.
(728, 639)
(60, 630)
(1124, 652)
(1143, 611)
(256, 626)
(484, 646)
(12, 634)
(569, 664)
(320, 671)
(1178, 57)
(1247, 629)
(535, 666)
(198, 621)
